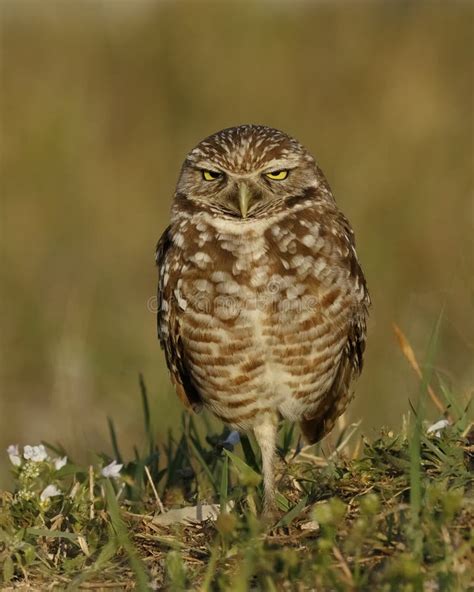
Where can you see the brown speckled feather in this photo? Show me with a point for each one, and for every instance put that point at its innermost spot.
(262, 301)
(170, 337)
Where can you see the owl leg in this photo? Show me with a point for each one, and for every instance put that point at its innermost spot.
(266, 434)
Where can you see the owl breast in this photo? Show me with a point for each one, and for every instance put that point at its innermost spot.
(264, 312)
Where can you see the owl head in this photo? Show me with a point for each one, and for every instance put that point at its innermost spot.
(245, 172)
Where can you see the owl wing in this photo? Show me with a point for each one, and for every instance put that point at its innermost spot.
(168, 322)
(339, 394)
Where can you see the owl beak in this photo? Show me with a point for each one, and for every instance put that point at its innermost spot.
(244, 199)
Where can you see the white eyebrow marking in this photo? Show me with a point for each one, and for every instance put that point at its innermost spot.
(279, 163)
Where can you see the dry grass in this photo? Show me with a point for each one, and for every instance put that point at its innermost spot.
(393, 514)
(344, 523)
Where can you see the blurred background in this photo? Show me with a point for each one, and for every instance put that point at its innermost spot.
(99, 104)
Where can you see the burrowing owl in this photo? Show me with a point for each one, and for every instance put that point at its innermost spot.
(262, 301)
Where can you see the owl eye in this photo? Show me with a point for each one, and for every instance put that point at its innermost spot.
(277, 175)
(211, 175)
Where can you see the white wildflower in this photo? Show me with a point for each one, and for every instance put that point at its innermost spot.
(24, 495)
(59, 463)
(49, 491)
(13, 452)
(30, 471)
(35, 453)
(112, 470)
(437, 427)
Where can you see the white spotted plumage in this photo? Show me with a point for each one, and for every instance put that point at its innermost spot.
(262, 314)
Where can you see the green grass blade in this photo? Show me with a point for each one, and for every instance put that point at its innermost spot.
(113, 438)
(288, 518)
(415, 532)
(287, 438)
(176, 571)
(247, 475)
(224, 486)
(124, 540)
(249, 454)
(59, 534)
(210, 571)
(204, 465)
(146, 414)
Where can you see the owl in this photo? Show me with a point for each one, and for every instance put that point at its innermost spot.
(262, 301)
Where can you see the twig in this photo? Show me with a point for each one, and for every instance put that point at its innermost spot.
(316, 460)
(357, 449)
(155, 492)
(409, 354)
(91, 492)
(345, 568)
(94, 585)
(350, 432)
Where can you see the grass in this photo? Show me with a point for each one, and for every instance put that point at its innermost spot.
(394, 513)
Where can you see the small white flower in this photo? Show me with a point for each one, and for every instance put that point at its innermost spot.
(112, 470)
(35, 453)
(13, 452)
(437, 427)
(59, 463)
(49, 491)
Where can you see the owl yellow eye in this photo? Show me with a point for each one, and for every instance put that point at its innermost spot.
(277, 175)
(211, 175)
